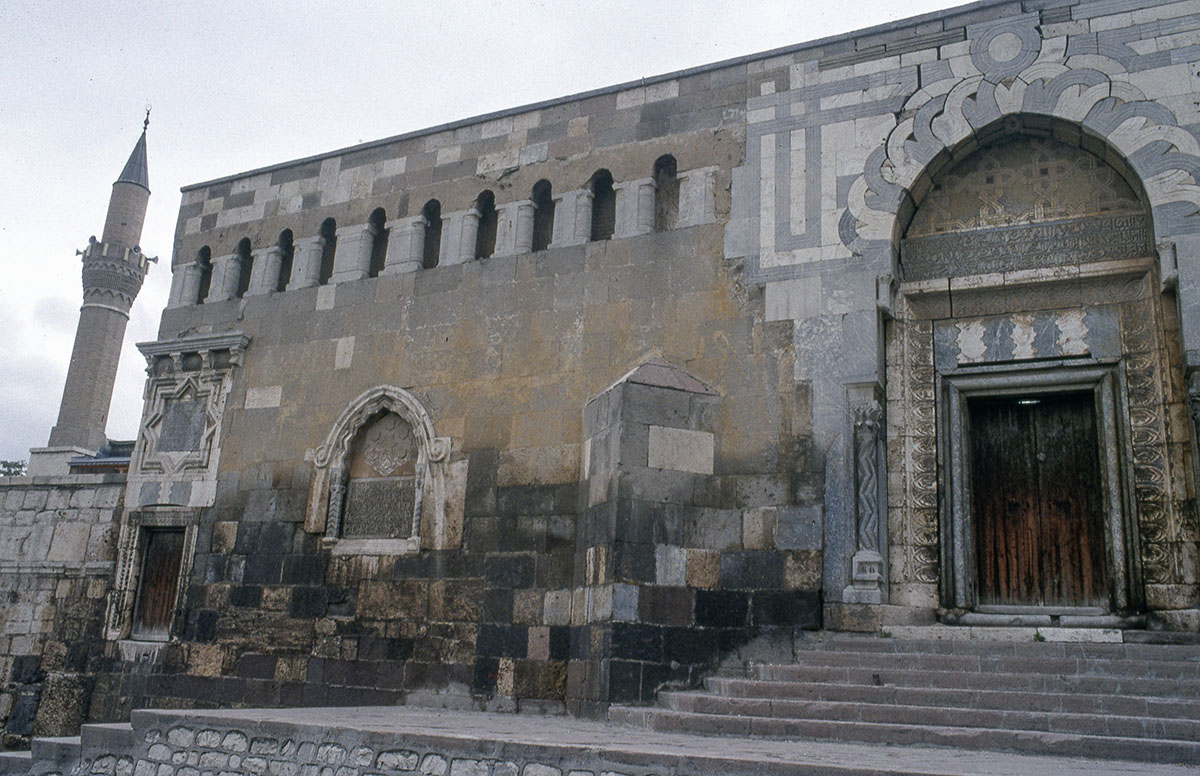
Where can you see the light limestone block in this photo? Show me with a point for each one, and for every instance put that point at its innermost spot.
(204, 493)
(264, 397)
(507, 159)
(670, 565)
(697, 199)
(556, 607)
(793, 299)
(325, 297)
(1113, 22)
(758, 528)
(681, 449)
(343, 353)
(69, 543)
(496, 127)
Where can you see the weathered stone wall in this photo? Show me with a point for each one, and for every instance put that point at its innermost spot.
(57, 544)
(505, 353)
(548, 573)
(773, 287)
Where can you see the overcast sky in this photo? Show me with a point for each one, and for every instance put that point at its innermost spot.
(239, 85)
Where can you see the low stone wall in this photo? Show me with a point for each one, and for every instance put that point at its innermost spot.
(194, 744)
(57, 539)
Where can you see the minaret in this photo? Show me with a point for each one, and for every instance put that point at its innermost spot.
(113, 271)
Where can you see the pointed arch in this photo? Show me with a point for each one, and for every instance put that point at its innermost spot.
(331, 459)
(944, 121)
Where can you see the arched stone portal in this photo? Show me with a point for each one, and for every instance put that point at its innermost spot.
(1036, 441)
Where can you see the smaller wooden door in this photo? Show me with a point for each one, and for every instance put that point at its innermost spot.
(158, 583)
(1037, 502)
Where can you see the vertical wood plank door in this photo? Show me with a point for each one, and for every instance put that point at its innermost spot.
(1037, 504)
(157, 584)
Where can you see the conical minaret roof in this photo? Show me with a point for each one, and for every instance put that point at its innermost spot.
(135, 171)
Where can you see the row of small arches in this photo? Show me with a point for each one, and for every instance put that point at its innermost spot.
(603, 225)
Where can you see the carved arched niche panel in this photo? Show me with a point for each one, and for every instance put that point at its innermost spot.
(1024, 202)
(380, 484)
(381, 492)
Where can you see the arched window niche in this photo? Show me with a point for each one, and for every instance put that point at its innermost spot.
(245, 260)
(203, 272)
(380, 479)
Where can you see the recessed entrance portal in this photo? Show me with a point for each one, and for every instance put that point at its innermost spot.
(1037, 501)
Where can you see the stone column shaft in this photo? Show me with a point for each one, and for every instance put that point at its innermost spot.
(514, 234)
(306, 262)
(572, 218)
(189, 292)
(265, 277)
(352, 259)
(227, 273)
(635, 207)
(406, 245)
(448, 251)
(468, 235)
(179, 283)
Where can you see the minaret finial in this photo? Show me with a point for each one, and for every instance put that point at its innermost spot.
(146, 123)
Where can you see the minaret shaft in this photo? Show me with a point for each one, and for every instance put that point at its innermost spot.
(113, 271)
(83, 414)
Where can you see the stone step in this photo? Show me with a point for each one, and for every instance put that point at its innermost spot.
(1085, 666)
(102, 739)
(54, 754)
(15, 763)
(836, 642)
(976, 680)
(1063, 744)
(1185, 729)
(1074, 703)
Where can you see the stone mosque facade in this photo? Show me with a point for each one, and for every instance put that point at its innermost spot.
(554, 407)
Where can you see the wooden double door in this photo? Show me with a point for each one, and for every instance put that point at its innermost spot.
(1037, 501)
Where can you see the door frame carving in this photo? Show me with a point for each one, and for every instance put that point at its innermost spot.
(1106, 382)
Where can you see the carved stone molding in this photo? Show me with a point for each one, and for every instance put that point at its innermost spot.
(178, 446)
(327, 495)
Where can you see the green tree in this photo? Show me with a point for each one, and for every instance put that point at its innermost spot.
(12, 468)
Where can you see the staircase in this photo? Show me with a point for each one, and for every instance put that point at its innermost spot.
(1124, 701)
(62, 756)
